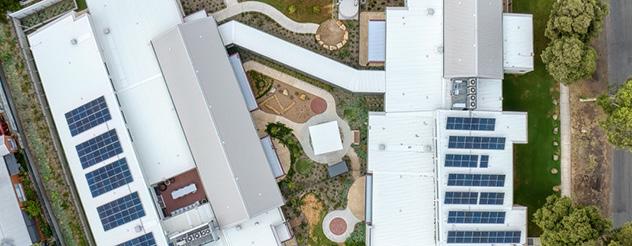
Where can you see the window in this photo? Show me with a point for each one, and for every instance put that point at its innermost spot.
(490, 180)
(470, 142)
(107, 178)
(460, 160)
(120, 211)
(476, 217)
(483, 237)
(99, 148)
(88, 116)
(460, 197)
(492, 198)
(471, 123)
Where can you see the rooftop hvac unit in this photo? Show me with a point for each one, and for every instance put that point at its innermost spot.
(471, 82)
(471, 90)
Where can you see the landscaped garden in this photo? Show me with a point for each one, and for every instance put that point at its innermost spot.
(537, 94)
(313, 11)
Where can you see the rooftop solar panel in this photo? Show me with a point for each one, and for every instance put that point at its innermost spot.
(492, 198)
(490, 180)
(483, 237)
(144, 240)
(484, 161)
(107, 178)
(99, 148)
(120, 211)
(460, 197)
(471, 142)
(476, 217)
(471, 123)
(452, 160)
(88, 116)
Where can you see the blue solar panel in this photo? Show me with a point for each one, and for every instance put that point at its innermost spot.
(490, 180)
(120, 211)
(477, 217)
(88, 116)
(469, 142)
(471, 123)
(460, 197)
(483, 236)
(492, 198)
(99, 148)
(460, 160)
(484, 161)
(107, 178)
(144, 240)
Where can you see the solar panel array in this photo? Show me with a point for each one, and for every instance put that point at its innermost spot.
(484, 161)
(476, 217)
(471, 123)
(490, 180)
(483, 236)
(470, 142)
(109, 177)
(120, 211)
(492, 198)
(88, 116)
(452, 160)
(144, 240)
(99, 148)
(460, 197)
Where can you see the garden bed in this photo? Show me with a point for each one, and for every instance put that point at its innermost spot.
(313, 11)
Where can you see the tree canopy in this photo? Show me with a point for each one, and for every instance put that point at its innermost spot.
(579, 18)
(618, 107)
(563, 223)
(622, 236)
(568, 59)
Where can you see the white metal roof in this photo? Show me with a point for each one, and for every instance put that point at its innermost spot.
(518, 42)
(490, 95)
(325, 137)
(307, 61)
(12, 225)
(414, 59)
(377, 41)
(72, 75)
(256, 231)
(124, 30)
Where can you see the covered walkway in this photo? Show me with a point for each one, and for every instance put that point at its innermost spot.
(309, 62)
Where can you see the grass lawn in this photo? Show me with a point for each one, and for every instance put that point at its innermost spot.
(81, 4)
(534, 93)
(313, 11)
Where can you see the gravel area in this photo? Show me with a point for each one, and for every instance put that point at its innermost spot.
(211, 6)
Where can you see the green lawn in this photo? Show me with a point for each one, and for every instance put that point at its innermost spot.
(81, 4)
(534, 93)
(313, 11)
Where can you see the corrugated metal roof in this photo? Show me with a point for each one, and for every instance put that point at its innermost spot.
(377, 41)
(12, 224)
(473, 39)
(216, 122)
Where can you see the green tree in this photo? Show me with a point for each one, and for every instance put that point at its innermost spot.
(568, 59)
(622, 236)
(618, 125)
(563, 223)
(580, 18)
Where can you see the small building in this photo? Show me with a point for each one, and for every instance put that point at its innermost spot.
(337, 169)
(517, 43)
(377, 41)
(325, 137)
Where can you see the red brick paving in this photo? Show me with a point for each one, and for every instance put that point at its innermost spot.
(338, 226)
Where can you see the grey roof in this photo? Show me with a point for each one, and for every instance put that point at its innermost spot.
(12, 164)
(219, 130)
(337, 169)
(473, 39)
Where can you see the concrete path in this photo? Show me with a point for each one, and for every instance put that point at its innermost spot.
(355, 198)
(565, 145)
(234, 8)
(347, 216)
(619, 38)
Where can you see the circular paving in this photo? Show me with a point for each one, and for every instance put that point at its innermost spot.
(332, 34)
(318, 105)
(338, 226)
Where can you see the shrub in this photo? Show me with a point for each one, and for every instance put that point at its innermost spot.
(316, 9)
(291, 9)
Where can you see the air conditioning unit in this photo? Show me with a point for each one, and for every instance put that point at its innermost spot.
(471, 82)
(471, 90)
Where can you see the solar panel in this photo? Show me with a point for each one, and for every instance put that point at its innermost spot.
(107, 178)
(452, 160)
(471, 123)
(120, 211)
(490, 180)
(144, 240)
(460, 197)
(483, 236)
(87, 116)
(492, 198)
(476, 217)
(99, 148)
(470, 142)
(484, 161)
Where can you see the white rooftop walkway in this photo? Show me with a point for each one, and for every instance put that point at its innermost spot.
(309, 62)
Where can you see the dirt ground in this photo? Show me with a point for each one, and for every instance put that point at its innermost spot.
(287, 101)
(591, 165)
(312, 209)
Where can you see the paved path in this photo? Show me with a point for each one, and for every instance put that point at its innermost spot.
(619, 31)
(565, 145)
(234, 8)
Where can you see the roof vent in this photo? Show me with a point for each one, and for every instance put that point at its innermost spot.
(431, 11)
(138, 228)
(440, 49)
(382, 147)
(106, 30)
(73, 41)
